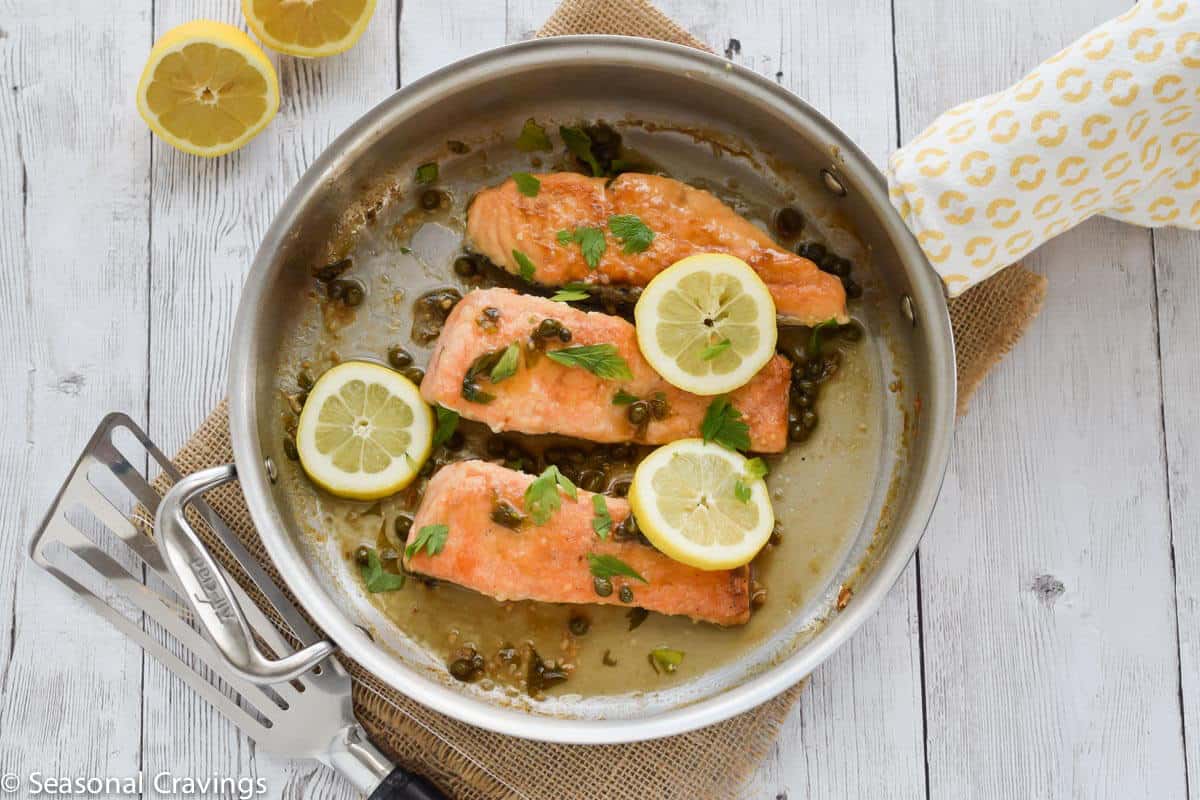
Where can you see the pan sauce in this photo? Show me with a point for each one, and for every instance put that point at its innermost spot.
(820, 488)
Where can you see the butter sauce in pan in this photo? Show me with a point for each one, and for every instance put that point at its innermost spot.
(383, 295)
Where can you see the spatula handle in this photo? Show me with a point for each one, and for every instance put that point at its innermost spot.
(400, 784)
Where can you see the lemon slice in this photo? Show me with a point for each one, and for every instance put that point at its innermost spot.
(207, 89)
(706, 324)
(310, 28)
(685, 497)
(364, 431)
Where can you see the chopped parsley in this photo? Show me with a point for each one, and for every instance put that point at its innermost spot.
(624, 398)
(431, 537)
(533, 137)
(591, 241)
(756, 469)
(376, 578)
(634, 234)
(525, 267)
(714, 350)
(427, 173)
(527, 184)
(723, 424)
(507, 365)
(606, 566)
(573, 292)
(447, 422)
(814, 339)
(601, 360)
(601, 521)
(664, 659)
(580, 145)
(542, 498)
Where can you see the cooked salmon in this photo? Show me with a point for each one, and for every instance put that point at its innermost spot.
(549, 562)
(685, 221)
(544, 396)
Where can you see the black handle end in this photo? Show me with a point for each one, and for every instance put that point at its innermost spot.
(400, 784)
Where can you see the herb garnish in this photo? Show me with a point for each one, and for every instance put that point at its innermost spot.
(542, 498)
(525, 267)
(606, 566)
(580, 145)
(601, 360)
(756, 469)
(601, 521)
(814, 339)
(572, 292)
(482, 365)
(533, 137)
(447, 422)
(431, 537)
(376, 578)
(633, 233)
(527, 184)
(591, 242)
(723, 424)
(507, 365)
(664, 659)
(624, 398)
(427, 173)
(714, 350)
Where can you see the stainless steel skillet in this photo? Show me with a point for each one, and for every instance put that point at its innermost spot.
(759, 129)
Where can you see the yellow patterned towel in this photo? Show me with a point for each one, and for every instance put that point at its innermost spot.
(1110, 125)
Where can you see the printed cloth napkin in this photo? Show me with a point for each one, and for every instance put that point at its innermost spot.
(1110, 125)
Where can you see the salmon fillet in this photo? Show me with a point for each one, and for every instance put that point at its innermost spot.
(549, 562)
(685, 221)
(547, 397)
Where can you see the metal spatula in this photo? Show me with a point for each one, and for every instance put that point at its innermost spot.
(102, 559)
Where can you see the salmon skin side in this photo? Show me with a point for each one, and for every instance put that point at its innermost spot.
(549, 563)
(544, 396)
(685, 221)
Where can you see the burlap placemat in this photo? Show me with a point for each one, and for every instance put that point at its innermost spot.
(714, 762)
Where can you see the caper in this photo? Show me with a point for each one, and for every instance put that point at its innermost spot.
(330, 271)
(414, 374)
(802, 399)
(457, 147)
(592, 480)
(758, 595)
(564, 335)
(809, 419)
(548, 328)
(354, 294)
(289, 449)
(853, 290)
(579, 624)
(620, 488)
(431, 199)
(851, 332)
(402, 525)
(305, 380)
(504, 513)
(812, 251)
(797, 432)
(798, 353)
(398, 357)
(463, 669)
(626, 594)
(840, 267)
(659, 407)
(639, 412)
(362, 556)
(603, 586)
(622, 452)
(815, 370)
(465, 267)
(776, 535)
(788, 222)
(805, 385)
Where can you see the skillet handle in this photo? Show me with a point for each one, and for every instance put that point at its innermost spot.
(400, 784)
(207, 590)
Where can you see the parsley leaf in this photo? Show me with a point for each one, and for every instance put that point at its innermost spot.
(665, 659)
(376, 577)
(533, 137)
(570, 294)
(606, 566)
(430, 537)
(427, 173)
(601, 521)
(506, 367)
(756, 469)
(814, 339)
(447, 422)
(591, 242)
(580, 145)
(714, 350)
(723, 424)
(542, 498)
(633, 233)
(624, 398)
(564, 236)
(527, 184)
(525, 267)
(601, 360)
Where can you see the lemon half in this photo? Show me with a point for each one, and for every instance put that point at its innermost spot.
(685, 499)
(207, 89)
(364, 431)
(706, 324)
(310, 28)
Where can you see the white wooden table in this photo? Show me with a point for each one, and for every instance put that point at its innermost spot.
(1044, 643)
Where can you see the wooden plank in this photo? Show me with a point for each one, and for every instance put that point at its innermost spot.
(73, 229)
(1176, 255)
(433, 35)
(208, 219)
(1047, 604)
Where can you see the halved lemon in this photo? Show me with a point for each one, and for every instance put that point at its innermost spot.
(697, 503)
(364, 431)
(706, 324)
(207, 89)
(310, 28)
